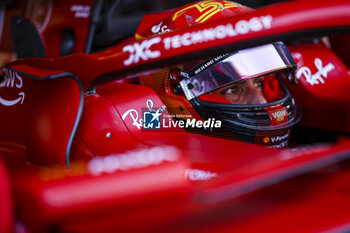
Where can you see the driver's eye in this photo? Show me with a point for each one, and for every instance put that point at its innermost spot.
(259, 83)
(231, 90)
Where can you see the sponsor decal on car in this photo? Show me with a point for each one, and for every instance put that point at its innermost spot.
(14, 81)
(319, 76)
(303, 151)
(143, 50)
(81, 11)
(198, 175)
(218, 32)
(133, 160)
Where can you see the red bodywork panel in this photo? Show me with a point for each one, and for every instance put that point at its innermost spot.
(323, 87)
(6, 210)
(246, 192)
(70, 112)
(86, 192)
(46, 114)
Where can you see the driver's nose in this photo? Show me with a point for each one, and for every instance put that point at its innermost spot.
(254, 94)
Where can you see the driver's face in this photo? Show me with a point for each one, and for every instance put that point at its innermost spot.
(246, 92)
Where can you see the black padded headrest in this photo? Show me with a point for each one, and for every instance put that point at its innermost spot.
(26, 38)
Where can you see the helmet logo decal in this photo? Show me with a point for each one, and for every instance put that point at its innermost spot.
(159, 29)
(209, 8)
(278, 115)
(266, 139)
(12, 80)
(141, 51)
(319, 76)
(280, 138)
(277, 141)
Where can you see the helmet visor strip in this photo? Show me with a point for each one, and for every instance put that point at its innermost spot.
(241, 65)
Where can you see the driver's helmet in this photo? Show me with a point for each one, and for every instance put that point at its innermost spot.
(242, 89)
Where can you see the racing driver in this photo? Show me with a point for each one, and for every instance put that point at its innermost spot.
(242, 89)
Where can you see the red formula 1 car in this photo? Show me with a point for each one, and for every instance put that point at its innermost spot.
(78, 156)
